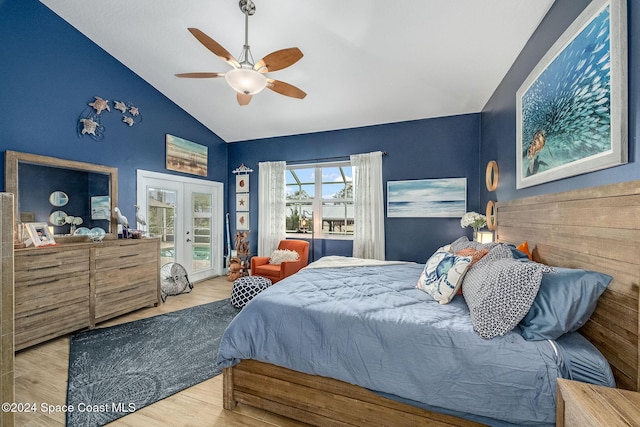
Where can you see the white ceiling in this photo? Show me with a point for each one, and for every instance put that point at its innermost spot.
(365, 62)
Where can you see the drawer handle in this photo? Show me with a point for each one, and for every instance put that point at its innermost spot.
(128, 256)
(43, 283)
(128, 289)
(128, 267)
(44, 311)
(49, 267)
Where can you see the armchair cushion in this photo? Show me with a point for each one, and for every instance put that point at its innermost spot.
(280, 255)
(260, 265)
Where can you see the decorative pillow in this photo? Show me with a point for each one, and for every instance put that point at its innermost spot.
(524, 248)
(442, 275)
(500, 290)
(464, 243)
(565, 301)
(476, 255)
(281, 255)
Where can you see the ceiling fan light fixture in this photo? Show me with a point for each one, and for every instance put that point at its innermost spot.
(245, 80)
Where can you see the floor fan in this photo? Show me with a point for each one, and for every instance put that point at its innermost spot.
(174, 280)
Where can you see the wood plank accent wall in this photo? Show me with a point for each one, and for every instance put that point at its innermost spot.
(6, 307)
(598, 229)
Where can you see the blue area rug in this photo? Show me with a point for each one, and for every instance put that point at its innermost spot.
(116, 370)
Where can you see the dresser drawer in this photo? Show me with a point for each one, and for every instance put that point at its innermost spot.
(44, 325)
(34, 265)
(126, 278)
(125, 300)
(126, 254)
(40, 294)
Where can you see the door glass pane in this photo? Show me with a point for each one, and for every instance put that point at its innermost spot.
(162, 207)
(201, 226)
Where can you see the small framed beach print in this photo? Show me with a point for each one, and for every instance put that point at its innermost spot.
(39, 234)
(242, 202)
(242, 220)
(242, 183)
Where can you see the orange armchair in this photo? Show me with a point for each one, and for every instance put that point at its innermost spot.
(260, 264)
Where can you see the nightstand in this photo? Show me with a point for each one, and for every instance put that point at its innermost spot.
(585, 405)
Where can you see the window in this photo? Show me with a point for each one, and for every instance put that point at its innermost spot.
(320, 199)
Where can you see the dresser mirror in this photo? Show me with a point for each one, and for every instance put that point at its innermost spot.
(42, 184)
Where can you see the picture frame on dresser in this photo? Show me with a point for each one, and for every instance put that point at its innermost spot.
(39, 234)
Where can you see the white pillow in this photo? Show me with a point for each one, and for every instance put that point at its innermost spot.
(280, 255)
(442, 275)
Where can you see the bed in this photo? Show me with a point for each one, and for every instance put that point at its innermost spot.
(593, 228)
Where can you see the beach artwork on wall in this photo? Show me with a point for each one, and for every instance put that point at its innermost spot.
(572, 108)
(446, 197)
(186, 156)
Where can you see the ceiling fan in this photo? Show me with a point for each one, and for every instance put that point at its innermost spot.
(248, 78)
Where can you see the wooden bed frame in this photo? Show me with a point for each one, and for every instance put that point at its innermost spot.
(595, 228)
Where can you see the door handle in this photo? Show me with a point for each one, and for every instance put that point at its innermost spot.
(188, 240)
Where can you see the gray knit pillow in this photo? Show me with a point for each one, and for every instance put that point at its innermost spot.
(500, 291)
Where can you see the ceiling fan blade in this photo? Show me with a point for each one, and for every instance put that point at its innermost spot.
(285, 89)
(214, 47)
(200, 75)
(243, 99)
(278, 60)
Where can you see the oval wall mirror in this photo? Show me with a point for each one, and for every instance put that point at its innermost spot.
(491, 215)
(491, 175)
(58, 198)
(57, 217)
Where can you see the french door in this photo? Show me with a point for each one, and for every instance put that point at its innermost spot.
(187, 215)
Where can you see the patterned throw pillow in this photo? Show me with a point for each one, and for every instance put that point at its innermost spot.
(281, 255)
(442, 275)
(500, 290)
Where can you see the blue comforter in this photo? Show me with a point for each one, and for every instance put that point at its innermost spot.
(370, 326)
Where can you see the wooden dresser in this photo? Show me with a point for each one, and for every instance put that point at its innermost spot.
(61, 289)
(588, 405)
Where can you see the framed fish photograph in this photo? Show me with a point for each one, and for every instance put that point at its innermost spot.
(572, 108)
(419, 198)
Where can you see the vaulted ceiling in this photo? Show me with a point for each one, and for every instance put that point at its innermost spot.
(366, 62)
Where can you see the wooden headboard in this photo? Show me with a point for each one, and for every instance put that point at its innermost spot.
(598, 229)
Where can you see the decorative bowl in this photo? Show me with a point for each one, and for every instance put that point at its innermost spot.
(82, 231)
(97, 234)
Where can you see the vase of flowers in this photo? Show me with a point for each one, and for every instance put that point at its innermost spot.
(74, 221)
(473, 220)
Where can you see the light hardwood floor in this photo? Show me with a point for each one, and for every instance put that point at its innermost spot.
(41, 378)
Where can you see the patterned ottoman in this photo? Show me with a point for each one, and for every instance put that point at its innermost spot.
(247, 287)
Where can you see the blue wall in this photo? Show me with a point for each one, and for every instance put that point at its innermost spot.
(435, 148)
(499, 115)
(50, 72)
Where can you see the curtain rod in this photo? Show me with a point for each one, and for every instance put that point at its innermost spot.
(384, 153)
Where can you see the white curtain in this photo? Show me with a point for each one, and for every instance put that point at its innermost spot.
(271, 205)
(368, 233)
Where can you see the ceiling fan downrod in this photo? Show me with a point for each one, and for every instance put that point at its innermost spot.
(247, 7)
